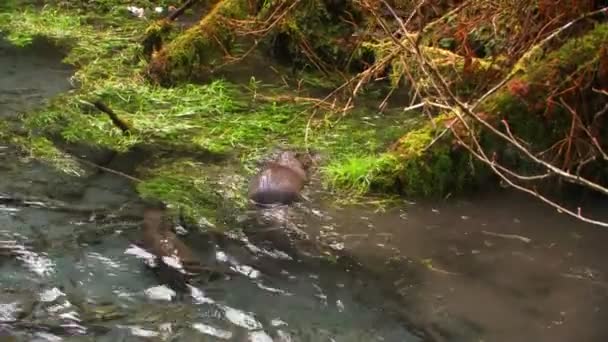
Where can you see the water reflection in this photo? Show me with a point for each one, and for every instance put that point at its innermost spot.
(105, 290)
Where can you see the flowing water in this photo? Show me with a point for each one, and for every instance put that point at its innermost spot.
(496, 267)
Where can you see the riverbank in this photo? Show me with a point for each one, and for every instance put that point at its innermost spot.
(182, 128)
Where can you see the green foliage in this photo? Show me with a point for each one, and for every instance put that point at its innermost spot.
(362, 171)
(5, 132)
(22, 27)
(220, 116)
(435, 173)
(111, 7)
(417, 166)
(424, 169)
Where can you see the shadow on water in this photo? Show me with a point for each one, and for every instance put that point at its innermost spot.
(74, 276)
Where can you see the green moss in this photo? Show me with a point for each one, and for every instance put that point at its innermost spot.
(5, 131)
(154, 36)
(424, 170)
(427, 164)
(217, 116)
(417, 165)
(113, 7)
(358, 174)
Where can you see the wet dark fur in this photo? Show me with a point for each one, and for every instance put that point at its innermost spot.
(280, 181)
(159, 239)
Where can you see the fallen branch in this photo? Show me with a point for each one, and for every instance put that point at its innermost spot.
(106, 169)
(183, 8)
(116, 120)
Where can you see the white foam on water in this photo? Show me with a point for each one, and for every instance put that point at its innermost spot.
(8, 311)
(259, 336)
(48, 337)
(246, 270)
(221, 256)
(284, 336)
(277, 322)
(104, 260)
(160, 292)
(59, 307)
(36, 263)
(199, 296)
(209, 330)
(340, 305)
(174, 262)
(139, 252)
(72, 316)
(51, 294)
(137, 331)
(9, 209)
(241, 318)
(273, 290)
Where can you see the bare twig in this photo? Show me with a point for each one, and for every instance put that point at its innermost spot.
(508, 236)
(103, 168)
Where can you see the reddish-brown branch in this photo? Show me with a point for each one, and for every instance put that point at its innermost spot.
(572, 146)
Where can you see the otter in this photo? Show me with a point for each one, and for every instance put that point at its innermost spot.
(176, 263)
(280, 181)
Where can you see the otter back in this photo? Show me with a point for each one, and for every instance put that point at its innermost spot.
(277, 184)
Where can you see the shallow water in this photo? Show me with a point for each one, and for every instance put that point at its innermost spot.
(30, 75)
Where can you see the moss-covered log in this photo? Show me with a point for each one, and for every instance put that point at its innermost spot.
(203, 45)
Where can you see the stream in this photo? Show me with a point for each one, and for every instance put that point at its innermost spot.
(493, 267)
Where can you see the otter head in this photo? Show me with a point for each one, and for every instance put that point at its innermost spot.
(293, 161)
(154, 213)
